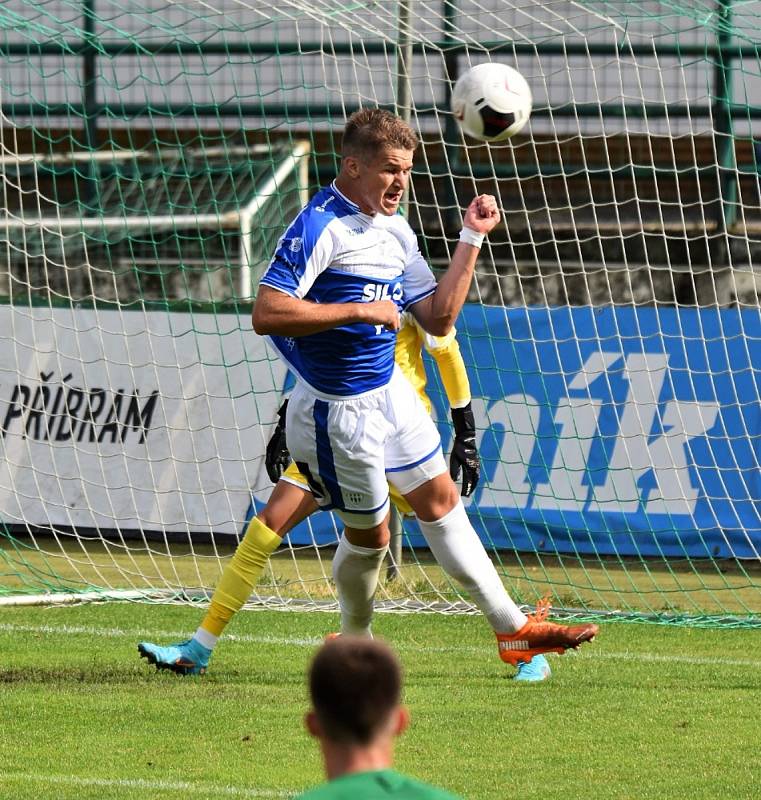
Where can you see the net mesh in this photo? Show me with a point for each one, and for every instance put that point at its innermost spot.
(154, 152)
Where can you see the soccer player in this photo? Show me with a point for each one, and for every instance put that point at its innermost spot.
(292, 501)
(355, 689)
(331, 301)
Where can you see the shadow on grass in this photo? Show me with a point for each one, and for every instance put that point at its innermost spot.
(68, 675)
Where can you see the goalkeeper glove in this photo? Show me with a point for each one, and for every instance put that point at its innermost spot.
(464, 453)
(277, 458)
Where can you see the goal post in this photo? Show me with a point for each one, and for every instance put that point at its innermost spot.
(612, 335)
(295, 163)
(262, 211)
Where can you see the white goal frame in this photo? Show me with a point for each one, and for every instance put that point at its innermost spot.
(243, 219)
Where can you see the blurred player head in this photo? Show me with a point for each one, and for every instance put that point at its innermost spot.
(355, 686)
(377, 152)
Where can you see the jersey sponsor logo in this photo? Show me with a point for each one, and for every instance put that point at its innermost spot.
(600, 453)
(321, 208)
(382, 291)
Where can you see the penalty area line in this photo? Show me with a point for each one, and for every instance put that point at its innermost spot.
(593, 652)
(188, 787)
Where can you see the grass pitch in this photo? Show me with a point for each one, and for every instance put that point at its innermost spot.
(655, 587)
(644, 712)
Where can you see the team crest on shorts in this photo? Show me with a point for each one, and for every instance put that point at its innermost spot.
(295, 244)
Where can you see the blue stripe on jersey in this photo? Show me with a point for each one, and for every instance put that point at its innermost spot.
(411, 301)
(292, 255)
(350, 359)
(344, 262)
(326, 466)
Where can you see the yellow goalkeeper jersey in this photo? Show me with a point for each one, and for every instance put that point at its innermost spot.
(410, 343)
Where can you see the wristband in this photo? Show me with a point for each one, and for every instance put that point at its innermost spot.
(471, 237)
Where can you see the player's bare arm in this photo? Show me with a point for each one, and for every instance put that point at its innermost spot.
(280, 314)
(438, 312)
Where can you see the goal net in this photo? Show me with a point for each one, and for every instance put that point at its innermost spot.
(153, 154)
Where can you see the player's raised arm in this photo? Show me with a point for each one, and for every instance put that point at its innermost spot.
(437, 312)
(280, 314)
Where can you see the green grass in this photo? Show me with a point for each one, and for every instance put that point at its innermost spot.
(644, 712)
(673, 587)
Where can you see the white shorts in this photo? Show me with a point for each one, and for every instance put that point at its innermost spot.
(350, 449)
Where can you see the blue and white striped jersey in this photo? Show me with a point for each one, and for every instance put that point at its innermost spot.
(333, 253)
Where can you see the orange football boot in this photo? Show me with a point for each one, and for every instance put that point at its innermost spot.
(540, 636)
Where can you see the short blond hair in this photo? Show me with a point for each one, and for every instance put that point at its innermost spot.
(370, 130)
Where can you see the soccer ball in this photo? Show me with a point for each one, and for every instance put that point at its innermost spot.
(492, 102)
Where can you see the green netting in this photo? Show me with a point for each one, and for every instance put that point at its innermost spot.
(152, 155)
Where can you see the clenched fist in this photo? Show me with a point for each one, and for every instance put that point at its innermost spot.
(482, 215)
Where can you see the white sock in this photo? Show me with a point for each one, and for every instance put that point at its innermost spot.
(355, 571)
(203, 637)
(459, 551)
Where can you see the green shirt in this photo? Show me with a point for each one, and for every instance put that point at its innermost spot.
(375, 785)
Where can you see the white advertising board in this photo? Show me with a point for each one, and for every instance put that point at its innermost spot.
(133, 419)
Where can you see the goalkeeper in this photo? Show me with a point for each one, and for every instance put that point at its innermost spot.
(291, 502)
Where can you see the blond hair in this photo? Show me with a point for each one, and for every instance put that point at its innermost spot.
(371, 130)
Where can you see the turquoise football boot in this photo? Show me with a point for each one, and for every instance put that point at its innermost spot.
(184, 658)
(538, 669)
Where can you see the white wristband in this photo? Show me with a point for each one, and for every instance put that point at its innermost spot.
(470, 236)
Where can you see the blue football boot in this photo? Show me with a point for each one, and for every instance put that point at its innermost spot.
(184, 658)
(538, 669)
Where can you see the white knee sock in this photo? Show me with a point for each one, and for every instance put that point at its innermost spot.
(355, 571)
(459, 551)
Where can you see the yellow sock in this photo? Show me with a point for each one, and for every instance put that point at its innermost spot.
(240, 575)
